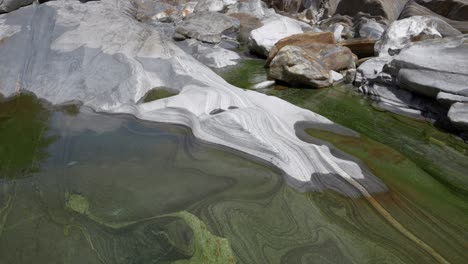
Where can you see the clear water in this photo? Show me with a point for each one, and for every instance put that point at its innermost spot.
(80, 187)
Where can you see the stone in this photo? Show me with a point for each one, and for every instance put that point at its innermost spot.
(250, 7)
(363, 48)
(448, 99)
(310, 64)
(263, 85)
(452, 9)
(415, 9)
(300, 40)
(207, 26)
(370, 29)
(275, 28)
(403, 32)
(209, 55)
(210, 6)
(11, 5)
(388, 10)
(101, 55)
(458, 116)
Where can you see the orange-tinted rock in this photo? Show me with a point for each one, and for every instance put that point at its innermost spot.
(301, 40)
(361, 47)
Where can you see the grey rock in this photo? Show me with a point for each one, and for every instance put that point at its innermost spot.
(207, 26)
(211, 55)
(448, 99)
(458, 116)
(370, 29)
(210, 6)
(11, 5)
(249, 7)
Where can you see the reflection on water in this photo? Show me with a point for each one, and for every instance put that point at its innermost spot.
(112, 189)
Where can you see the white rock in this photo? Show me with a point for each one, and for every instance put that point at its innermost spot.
(263, 85)
(338, 29)
(335, 77)
(210, 5)
(458, 115)
(274, 28)
(97, 54)
(402, 32)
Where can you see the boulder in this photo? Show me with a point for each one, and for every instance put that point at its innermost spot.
(458, 116)
(387, 10)
(370, 29)
(310, 64)
(11, 5)
(275, 28)
(415, 9)
(403, 32)
(206, 26)
(363, 48)
(451, 9)
(300, 40)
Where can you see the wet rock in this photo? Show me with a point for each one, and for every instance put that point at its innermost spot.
(310, 64)
(207, 26)
(275, 28)
(402, 32)
(11, 5)
(300, 40)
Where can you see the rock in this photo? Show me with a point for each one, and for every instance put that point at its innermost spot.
(335, 77)
(274, 28)
(211, 56)
(249, 7)
(337, 30)
(99, 54)
(402, 32)
(434, 65)
(11, 5)
(448, 99)
(263, 85)
(370, 29)
(415, 9)
(207, 26)
(388, 10)
(209, 6)
(247, 24)
(300, 40)
(370, 70)
(458, 116)
(310, 64)
(361, 47)
(452, 9)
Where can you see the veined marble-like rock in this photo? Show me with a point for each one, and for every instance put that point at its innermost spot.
(274, 28)
(98, 54)
(402, 32)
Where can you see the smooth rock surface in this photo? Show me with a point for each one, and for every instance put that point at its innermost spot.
(211, 56)
(275, 28)
(402, 32)
(98, 54)
(458, 115)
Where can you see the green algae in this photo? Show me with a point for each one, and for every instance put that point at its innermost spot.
(158, 93)
(209, 249)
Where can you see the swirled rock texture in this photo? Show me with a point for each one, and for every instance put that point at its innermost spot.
(98, 54)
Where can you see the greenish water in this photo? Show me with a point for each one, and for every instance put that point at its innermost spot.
(80, 187)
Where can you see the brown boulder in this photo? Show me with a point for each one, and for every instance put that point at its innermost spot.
(310, 64)
(361, 47)
(300, 40)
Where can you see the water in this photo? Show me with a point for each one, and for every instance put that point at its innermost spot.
(80, 187)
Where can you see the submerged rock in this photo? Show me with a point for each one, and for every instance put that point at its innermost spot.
(310, 64)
